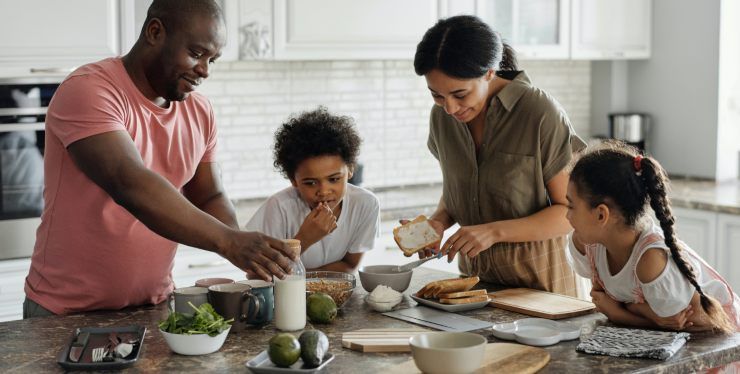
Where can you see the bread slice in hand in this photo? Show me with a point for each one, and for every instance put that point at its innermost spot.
(465, 300)
(416, 235)
(461, 294)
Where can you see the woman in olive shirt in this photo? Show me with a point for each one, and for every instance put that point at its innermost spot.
(502, 145)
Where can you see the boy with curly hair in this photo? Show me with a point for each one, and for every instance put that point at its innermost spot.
(336, 222)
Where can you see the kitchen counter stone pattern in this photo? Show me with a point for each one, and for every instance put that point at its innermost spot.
(33, 345)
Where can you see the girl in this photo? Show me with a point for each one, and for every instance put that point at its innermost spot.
(502, 145)
(335, 221)
(642, 274)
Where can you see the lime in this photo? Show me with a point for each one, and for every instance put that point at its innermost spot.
(284, 350)
(321, 308)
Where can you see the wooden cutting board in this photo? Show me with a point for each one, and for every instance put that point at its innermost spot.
(380, 340)
(500, 358)
(540, 303)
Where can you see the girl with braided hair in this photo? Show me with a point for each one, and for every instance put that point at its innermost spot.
(642, 274)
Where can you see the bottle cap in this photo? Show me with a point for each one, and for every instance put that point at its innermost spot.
(292, 243)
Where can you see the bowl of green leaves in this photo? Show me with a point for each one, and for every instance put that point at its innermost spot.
(201, 333)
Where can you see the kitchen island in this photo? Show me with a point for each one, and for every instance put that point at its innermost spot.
(32, 346)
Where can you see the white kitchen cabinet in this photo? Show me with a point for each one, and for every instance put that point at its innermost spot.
(12, 278)
(611, 29)
(728, 248)
(536, 29)
(350, 29)
(192, 264)
(698, 229)
(42, 34)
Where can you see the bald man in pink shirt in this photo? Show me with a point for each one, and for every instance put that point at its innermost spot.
(130, 172)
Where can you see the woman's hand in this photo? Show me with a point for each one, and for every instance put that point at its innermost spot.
(318, 224)
(433, 250)
(470, 241)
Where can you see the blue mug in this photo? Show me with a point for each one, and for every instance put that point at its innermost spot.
(265, 289)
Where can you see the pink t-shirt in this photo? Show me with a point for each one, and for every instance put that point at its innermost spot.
(90, 252)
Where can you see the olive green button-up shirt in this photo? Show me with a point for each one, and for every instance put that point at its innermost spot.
(527, 140)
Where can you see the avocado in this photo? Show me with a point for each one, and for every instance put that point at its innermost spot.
(284, 350)
(314, 345)
(321, 308)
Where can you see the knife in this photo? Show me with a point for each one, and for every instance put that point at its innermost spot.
(411, 265)
(78, 346)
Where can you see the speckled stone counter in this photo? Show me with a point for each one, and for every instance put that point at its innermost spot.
(721, 197)
(31, 346)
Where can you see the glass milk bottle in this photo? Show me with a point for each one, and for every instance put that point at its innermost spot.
(290, 293)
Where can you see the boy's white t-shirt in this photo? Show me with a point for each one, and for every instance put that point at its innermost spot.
(282, 215)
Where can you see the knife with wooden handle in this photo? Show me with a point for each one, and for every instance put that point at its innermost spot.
(78, 346)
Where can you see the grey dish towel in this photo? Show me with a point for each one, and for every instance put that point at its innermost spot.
(621, 342)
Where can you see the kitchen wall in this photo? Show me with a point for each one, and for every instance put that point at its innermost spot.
(690, 85)
(389, 103)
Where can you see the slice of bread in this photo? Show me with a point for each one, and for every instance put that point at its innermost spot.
(458, 295)
(434, 289)
(416, 235)
(465, 300)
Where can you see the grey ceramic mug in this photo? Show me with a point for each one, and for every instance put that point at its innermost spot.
(237, 301)
(185, 295)
(264, 289)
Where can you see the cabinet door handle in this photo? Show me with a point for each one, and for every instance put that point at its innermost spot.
(211, 264)
(51, 70)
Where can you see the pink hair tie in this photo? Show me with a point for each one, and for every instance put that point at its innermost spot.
(637, 164)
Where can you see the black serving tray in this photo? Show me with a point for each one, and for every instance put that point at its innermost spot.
(99, 338)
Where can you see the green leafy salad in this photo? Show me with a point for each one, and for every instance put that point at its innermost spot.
(205, 320)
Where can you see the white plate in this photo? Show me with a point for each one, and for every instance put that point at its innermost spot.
(261, 364)
(450, 307)
(536, 331)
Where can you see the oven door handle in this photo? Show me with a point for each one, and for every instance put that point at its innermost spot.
(51, 70)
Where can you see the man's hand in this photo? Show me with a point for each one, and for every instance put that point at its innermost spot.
(318, 224)
(469, 241)
(259, 255)
(429, 251)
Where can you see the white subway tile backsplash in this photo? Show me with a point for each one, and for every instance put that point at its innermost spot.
(388, 101)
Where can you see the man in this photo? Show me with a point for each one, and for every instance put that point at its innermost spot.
(129, 170)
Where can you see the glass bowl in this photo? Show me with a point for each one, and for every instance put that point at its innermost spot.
(336, 284)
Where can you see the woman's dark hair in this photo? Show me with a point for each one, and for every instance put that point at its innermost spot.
(617, 175)
(463, 47)
(315, 133)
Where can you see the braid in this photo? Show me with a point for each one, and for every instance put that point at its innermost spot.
(657, 190)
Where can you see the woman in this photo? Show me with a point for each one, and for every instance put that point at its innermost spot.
(502, 145)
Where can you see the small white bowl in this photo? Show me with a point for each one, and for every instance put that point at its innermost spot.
(196, 344)
(448, 352)
(536, 331)
(383, 306)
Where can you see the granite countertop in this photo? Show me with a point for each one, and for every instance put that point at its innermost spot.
(32, 345)
(721, 197)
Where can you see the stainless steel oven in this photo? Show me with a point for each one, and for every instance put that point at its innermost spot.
(23, 103)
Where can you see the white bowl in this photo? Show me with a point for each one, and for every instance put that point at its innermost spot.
(536, 331)
(448, 352)
(196, 344)
(383, 306)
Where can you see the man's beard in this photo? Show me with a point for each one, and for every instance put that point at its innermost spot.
(172, 93)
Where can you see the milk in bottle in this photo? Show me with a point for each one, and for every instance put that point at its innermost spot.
(290, 294)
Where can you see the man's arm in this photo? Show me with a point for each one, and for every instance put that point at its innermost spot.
(112, 161)
(206, 192)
